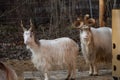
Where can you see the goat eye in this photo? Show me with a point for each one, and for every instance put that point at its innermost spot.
(31, 34)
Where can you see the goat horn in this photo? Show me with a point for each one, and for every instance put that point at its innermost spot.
(24, 29)
(78, 19)
(78, 25)
(91, 22)
(77, 22)
(31, 25)
(86, 17)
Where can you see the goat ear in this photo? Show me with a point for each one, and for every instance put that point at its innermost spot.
(24, 29)
(91, 22)
(31, 25)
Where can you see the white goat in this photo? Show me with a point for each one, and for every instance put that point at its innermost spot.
(46, 53)
(96, 43)
(7, 73)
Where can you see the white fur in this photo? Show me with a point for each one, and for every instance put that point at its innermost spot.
(60, 52)
(96, 47)
(26, 36)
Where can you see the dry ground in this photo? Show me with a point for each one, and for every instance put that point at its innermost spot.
(21, 66)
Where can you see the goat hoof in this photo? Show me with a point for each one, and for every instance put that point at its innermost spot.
(95, 74)
(72, 79)
(67, 79)
(90, 74)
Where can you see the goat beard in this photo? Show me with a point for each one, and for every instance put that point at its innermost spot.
(87, 41)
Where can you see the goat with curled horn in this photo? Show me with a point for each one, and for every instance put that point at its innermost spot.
(95, 43)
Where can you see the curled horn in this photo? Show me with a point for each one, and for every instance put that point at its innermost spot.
(91, 22)
(86, 17)
(31, 25)
(24, 29)
(78, 24)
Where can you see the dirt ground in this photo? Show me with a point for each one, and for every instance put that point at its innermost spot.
(21, 66)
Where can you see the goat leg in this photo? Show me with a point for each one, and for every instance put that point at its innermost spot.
(95, 70)
(90, 70)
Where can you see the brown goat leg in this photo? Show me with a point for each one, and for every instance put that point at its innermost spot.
(90, 70)
(68, 77)
(73, 71)
(69, 73)
(72, 79)
(95, 70)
